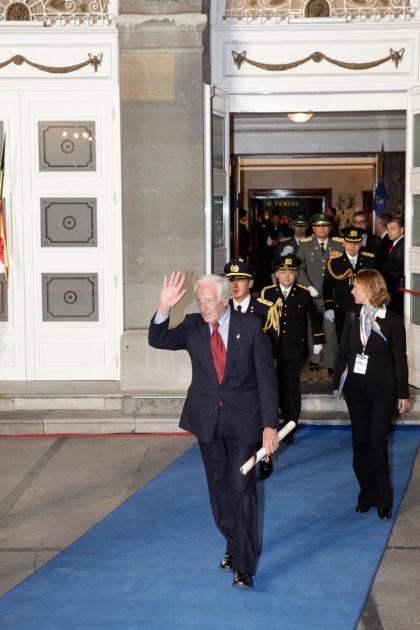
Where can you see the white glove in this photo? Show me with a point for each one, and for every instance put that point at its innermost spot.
(314, 293)
(287, 250)
(318, 348)
(330, 315)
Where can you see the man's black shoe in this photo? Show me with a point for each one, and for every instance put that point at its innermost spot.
(385, 514)
(242, 579)
(330, 371)
(289, 439)
(226, 562)
(266, 468)
(314, 367)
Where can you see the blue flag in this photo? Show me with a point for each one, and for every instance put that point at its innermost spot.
(379, 198)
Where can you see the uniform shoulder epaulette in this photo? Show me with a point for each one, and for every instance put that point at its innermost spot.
(307, 239)
(338, 239)
(368, 254)
(302, 287)
(285, 238)
(261, 298)
(335, 254)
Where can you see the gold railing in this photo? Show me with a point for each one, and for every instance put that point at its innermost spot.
(276, 11)
(58, 12)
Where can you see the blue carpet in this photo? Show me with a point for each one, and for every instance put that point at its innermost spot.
(153, 562)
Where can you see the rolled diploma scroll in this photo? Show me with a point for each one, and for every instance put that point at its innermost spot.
(257, 457)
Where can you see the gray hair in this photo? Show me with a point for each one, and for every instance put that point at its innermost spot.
(221, 283)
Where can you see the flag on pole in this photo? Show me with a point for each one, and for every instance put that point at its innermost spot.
(4, 256)
(380, 197)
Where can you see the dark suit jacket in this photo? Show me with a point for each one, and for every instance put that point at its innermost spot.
(249, 390)
(387, 364)
(243, 242)
(393, 272)
(374, 245)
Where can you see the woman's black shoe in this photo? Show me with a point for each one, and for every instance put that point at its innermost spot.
(385, 514)
(361, 509)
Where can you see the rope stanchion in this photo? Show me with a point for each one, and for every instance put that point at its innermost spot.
(403, 290)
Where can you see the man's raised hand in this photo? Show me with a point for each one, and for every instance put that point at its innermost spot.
(171, 293)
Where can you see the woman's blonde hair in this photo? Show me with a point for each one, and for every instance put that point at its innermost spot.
(374, 285)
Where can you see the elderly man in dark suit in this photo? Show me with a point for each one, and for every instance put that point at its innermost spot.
(233, 396)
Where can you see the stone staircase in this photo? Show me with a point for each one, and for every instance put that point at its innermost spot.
(100, 407)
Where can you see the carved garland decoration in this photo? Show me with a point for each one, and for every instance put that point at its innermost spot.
(95, 61)
(395, 56)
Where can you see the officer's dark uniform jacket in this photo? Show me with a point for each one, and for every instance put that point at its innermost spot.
(339, 279)
(288, 318)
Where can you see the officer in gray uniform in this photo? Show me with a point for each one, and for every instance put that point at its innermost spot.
(314, 253)
(299, 224)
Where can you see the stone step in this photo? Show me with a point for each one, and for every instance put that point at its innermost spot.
(113, 422)
(38, 403)
(60, 395)
(84, 422)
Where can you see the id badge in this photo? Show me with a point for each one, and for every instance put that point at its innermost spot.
(360, 365)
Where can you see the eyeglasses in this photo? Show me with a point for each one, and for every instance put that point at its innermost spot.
(361, 222)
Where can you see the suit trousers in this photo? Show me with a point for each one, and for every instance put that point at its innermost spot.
(331, 345)
(288, 372)
(233, 496)
(371, 416)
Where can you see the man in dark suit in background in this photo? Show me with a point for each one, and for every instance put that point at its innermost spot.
(370, 242)
(393, 267)
(233, 396)
(244, 240)
(381, 229)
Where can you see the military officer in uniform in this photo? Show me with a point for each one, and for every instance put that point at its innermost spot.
(241, 278)
(289, 245)
(290, 306)
(339, 276)
(314, 252)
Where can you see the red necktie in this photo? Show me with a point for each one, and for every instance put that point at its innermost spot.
(218, 351)
(390, 250)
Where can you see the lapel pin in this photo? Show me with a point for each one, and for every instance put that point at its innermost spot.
(238, 336)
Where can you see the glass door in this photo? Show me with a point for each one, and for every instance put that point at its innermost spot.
(216, 203)
(412, 238)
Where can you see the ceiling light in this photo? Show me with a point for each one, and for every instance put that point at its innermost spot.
(300, 117)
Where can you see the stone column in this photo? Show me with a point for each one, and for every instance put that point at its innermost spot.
(162, 182)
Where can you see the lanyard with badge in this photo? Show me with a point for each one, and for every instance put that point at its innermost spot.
(361, 363)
